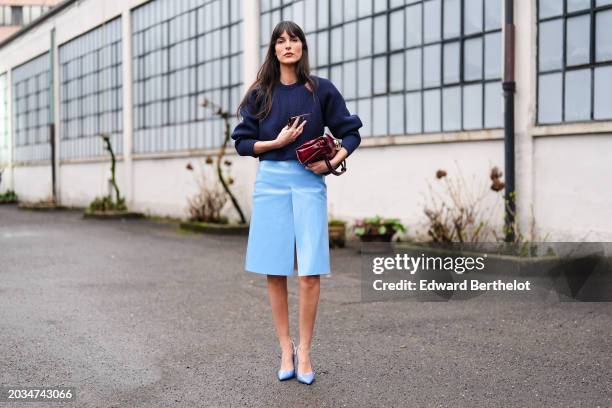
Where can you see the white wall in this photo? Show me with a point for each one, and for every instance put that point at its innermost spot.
(80, 183)
(573, 198)
(32, 183)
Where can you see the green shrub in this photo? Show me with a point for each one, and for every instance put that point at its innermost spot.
(106, 203)
(8, 196)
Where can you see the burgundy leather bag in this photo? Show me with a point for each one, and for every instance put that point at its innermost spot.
(321, 148)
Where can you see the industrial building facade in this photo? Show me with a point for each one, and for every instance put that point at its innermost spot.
(424, 76)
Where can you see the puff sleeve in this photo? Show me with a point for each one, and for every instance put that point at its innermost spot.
(339, 120)
(246, 132)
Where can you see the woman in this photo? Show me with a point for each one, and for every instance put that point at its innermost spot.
(290, 199)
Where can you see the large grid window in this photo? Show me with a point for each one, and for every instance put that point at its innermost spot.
(31, 83)
(4, 135)
(574, 60)
(184, 52)
(404, 67)
(91, 81)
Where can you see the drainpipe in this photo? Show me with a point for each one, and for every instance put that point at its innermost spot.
(509, 87)
(52, 113)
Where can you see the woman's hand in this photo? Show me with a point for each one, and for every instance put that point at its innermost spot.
(289, 133)
(320, 167)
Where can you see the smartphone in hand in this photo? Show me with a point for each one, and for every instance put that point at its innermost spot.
(297, 117)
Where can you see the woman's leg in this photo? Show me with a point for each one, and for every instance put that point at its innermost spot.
(277, 292)
(310, 287)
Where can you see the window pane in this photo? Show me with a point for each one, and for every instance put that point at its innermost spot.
(473, 59)
(431, 104)
(322, 50)
(451, 62)
(578, 40)
(364, 84)
(431, 65)
(493, 105)
(472, 106)
(336, 12)
(472, 16)
(396, 114)
(310, 17)
(549, 8)
(380, 34)
(413, 112)
(350, 80)
(493, 14)
(413, 25)
(336, 45)
(603, 93)
(323, 14)
(603, 2)
(452, 18)
(493, 56)
(603, 40)
(550, 46)
(379, 114)
(451, 100)
(549, 98)
(365, 37)
(574, 5)
(350, 10)
(380, 75)
(432, 17)
(396, 68)
(350, 46)
(396, 41)
(364, 107)
(413, 69)
(578, 95)
(365, 7)
(335, 75)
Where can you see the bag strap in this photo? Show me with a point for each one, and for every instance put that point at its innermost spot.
(333, 171)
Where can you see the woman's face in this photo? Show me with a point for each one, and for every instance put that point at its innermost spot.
(288, 49)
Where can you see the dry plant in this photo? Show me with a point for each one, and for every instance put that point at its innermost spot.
(206, 204)
(457, 211)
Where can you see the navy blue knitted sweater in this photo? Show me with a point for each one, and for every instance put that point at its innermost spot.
(327, 108)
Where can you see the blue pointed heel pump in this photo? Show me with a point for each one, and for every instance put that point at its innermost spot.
(288, 374)
(304, 378)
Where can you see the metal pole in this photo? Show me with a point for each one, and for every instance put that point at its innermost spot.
(52, 114)
(509, 87)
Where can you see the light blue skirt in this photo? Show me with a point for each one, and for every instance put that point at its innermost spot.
(289, 213)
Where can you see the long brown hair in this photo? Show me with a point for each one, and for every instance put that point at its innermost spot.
(269, 72)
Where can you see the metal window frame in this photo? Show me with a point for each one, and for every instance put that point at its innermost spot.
(388, 53)
(591, 65)
(21, 135)
(140, 106)
(68, 118)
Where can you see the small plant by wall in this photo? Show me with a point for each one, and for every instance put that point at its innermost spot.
(207, 203)
(110, 205)
(225, 181)
(9, 196)
(458, 211)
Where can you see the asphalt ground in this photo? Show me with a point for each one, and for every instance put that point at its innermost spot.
(138, 314)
